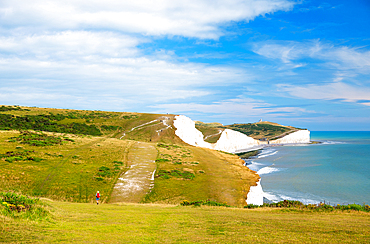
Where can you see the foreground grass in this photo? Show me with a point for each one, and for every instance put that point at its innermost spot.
(147, 223)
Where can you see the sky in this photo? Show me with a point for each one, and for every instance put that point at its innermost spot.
(304, 63)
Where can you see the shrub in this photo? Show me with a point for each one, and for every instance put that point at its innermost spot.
(161, 160)
(251, 206)
(17, 205)
(104, 171)
(203, 202)
(117, 163)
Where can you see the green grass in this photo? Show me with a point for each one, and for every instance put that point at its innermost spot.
(148, 223)
(71, 171)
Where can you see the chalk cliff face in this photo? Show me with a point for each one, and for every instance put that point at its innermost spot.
(301, 136)
(230, 140)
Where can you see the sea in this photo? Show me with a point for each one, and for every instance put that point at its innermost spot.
(336, 171)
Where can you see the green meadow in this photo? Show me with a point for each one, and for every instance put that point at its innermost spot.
(159, 223)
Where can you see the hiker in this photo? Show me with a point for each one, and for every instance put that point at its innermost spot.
(97, 197)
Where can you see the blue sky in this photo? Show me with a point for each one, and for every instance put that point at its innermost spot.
(301, 63)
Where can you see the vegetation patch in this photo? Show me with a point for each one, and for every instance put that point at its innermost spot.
(110, 127)
(130, 117)
(260, 130)
(165, 174)
(40, 139)
(206, 203)
(23, 155)
(20, 206)
(12, 108)
(46, 122)
(104, 172)
(162, 145)
(247, 155)
(161, 160)
(316, 207)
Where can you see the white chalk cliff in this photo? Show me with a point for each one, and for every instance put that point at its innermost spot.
(230, 140)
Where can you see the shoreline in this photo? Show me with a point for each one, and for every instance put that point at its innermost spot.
(263, 162)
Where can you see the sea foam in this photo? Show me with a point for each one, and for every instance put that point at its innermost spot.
(267, 170)
(267, 154)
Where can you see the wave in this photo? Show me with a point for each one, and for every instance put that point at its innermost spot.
(267, 153)
(332, 142)
(271, 197)
(267, 170)
(253, 165)
(280, 197)
(301, 199)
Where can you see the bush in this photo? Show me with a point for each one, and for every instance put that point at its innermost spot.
(17, 205)
(316, 207)
(202, 202)
(39, 139)
(117, 163)
(161, 160)
(104, 172)
(251, 206)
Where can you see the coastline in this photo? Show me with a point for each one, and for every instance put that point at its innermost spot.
(317, 172)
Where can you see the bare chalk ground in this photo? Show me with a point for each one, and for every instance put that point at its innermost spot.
(133, 185)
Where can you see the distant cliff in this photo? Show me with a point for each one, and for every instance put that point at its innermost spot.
(230, 140)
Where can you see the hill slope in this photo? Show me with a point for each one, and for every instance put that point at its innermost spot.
(67, 160)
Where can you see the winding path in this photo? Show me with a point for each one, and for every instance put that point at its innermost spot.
(134, 184)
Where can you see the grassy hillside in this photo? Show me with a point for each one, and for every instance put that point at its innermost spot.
(260, 130)
(211, 131)
(267, 130)
(39, 160)
(148, 223)
(132, 126)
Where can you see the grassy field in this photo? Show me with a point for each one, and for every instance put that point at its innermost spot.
(148, 223)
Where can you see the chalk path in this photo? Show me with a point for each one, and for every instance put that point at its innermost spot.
(133, 185)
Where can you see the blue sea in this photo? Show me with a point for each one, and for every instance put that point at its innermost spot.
(336, 171)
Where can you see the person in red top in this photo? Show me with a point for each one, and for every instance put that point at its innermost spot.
(97, 197)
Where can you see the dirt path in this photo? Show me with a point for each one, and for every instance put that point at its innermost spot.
(133, 185)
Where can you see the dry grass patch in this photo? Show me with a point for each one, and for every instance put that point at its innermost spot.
(190, 173)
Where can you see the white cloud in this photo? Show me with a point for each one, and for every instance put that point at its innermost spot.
(90, 49)
(342, 58)
(102, 65)
(330, 91)
(68, 44)
(234, 108)
(190, 18)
